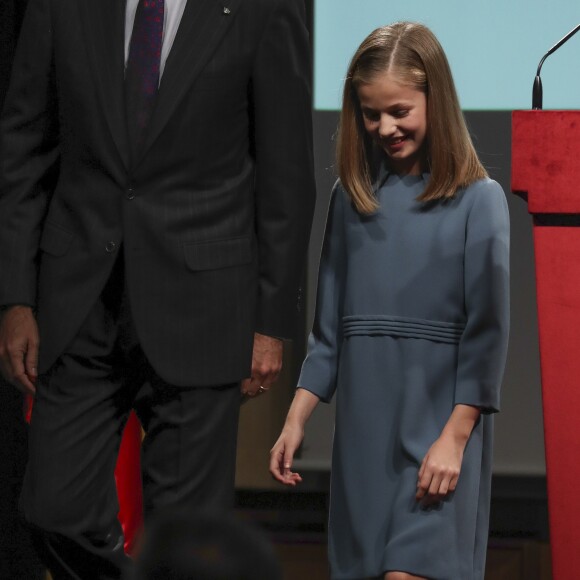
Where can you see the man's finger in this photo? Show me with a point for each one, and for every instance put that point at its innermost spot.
(24, 384)
(31, 360)
(244, 386)
(270, 379)
(19, 347)
(252, 386)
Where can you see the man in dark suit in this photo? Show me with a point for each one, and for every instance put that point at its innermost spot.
(17, 558)
(156, 195)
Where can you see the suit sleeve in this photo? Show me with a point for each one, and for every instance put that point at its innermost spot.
(319, 370)
(284, 183)
(28, 156)
(483, 345)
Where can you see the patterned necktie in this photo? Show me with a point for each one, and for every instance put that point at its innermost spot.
(142, 72)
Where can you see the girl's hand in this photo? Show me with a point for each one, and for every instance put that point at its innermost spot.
(282, 454)
(441, 465)
(440, 470)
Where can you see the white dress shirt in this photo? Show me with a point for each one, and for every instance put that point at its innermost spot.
(173, 13)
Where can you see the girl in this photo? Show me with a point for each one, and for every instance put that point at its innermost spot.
(411, 324)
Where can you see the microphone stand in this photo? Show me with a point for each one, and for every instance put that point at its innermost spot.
(537, 93)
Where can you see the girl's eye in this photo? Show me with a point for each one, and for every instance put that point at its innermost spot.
(371, 115)
(401, 113)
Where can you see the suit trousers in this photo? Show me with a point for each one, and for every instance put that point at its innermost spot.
(81, 407)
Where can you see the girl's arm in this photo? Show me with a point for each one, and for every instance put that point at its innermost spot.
(319, 369)
(483, 346)
(282, 453)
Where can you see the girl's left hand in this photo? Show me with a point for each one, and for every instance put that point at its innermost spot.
(440, 470)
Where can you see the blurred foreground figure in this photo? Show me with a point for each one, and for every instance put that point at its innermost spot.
(205, 546)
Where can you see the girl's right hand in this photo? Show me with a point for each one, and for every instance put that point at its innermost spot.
(282, 455)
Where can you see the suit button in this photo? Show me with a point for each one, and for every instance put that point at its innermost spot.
(130, 193)
(111, 247)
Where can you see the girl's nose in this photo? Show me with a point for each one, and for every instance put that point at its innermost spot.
(387, 126)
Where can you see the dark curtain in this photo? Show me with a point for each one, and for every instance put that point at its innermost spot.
(17, 557)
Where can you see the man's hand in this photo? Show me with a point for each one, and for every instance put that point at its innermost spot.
(266, 365)
(19, 348)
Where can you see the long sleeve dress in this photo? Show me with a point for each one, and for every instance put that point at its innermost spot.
(412, 318)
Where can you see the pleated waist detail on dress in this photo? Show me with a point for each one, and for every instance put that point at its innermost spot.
(384, 325)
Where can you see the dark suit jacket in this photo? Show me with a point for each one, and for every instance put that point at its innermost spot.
(214, 216)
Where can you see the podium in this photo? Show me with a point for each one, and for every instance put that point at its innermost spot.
(546, 173)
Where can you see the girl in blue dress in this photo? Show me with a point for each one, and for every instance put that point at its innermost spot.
(411, 323)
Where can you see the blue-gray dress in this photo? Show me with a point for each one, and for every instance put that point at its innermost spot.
(412, 318)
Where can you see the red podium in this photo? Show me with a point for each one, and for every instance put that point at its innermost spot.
(546, 172)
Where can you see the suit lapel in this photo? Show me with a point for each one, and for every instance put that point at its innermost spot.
(104, 29)
(203, 24)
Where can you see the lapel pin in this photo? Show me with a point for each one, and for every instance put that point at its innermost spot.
(227, 10)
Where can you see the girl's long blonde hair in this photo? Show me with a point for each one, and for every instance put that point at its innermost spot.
(413, 53)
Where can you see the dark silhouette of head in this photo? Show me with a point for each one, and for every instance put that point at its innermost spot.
(204, 546)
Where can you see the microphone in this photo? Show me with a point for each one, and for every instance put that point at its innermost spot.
(537, 89)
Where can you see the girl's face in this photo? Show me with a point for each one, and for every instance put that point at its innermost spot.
(395, 116)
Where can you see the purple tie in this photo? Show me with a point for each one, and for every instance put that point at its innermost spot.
(142, 72)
